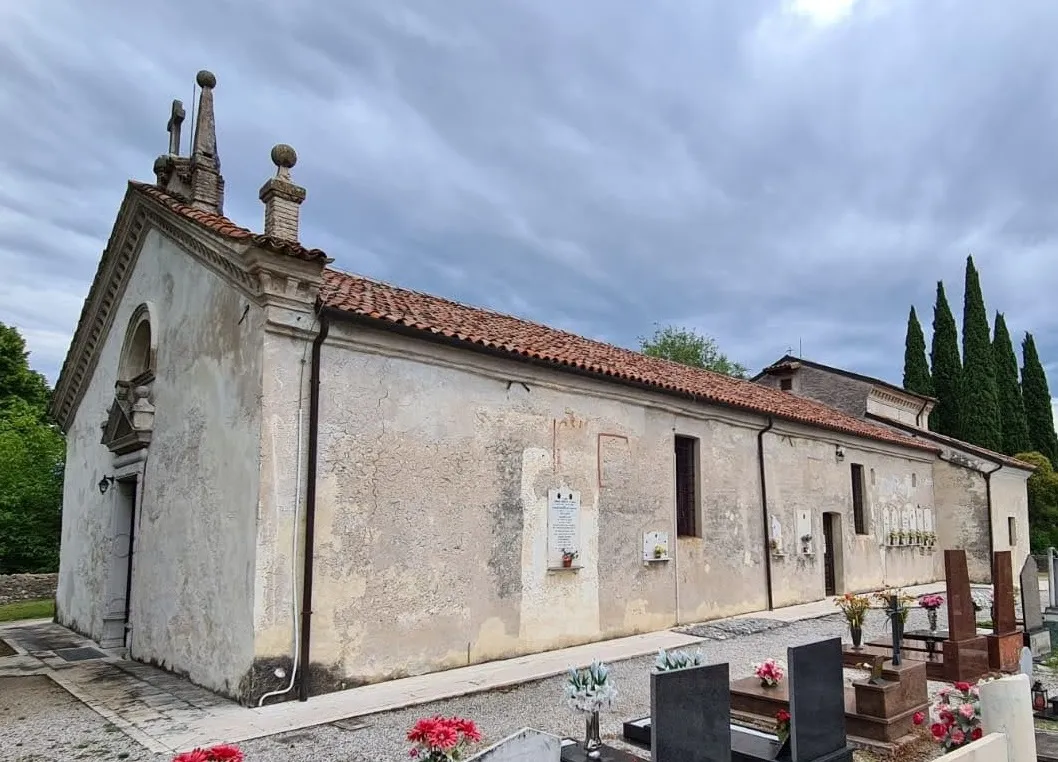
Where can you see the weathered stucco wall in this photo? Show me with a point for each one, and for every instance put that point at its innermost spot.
(962, 514)
(1010, 500)
(805, 475)
(432, 510)
(192, 578)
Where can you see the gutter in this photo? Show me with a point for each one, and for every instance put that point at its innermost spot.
(310, 503)
(764, 510)
(918, 418)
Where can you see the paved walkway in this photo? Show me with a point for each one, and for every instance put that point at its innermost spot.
(167, 714)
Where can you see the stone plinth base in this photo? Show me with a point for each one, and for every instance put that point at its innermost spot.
(965, 660)
(1039, 642)
(1004, 651)
(852, 657)
(884, 711)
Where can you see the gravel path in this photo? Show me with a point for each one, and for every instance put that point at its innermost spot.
(39, 721)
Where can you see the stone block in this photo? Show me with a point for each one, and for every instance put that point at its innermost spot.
(965, 660)
(1004, 650)
(690, 712)
(1039, 642)
(527, 745)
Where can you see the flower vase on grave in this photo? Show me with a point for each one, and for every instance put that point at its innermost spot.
(857, 635)
(931, 615)
(592, 739)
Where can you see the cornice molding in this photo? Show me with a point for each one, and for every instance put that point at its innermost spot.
(266, 278)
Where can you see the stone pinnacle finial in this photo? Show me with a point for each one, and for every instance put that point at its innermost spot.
(207, 185)
(281, 196)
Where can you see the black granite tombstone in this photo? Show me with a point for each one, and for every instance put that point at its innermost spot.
(690, 712)
(817, 702)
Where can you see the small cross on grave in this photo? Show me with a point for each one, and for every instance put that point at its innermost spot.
(895, 612)
(176, 118)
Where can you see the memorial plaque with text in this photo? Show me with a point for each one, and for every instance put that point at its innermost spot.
(563, 526)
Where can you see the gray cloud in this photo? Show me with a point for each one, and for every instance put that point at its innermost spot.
(740, 168)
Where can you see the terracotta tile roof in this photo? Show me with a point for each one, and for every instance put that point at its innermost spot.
(519, 338)
(221, 225)
(958, 444)
(522, 339)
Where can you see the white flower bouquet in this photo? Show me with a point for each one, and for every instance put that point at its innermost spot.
(590, 689)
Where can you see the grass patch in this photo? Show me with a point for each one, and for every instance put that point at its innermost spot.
(12, 612)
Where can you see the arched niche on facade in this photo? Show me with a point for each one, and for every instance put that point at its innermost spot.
(130, 420)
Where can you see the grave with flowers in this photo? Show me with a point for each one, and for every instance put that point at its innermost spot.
(692, 711)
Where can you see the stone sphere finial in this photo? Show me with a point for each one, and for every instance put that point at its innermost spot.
(206, 79)
(283, 156)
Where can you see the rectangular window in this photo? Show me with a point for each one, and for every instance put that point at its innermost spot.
(686, 487)
(1012, 530)
(786, 384)
(914, 480)
(858, 517)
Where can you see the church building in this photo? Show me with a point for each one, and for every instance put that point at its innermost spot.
(283, 479)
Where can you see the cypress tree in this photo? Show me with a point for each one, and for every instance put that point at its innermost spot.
(979, 402)
(916, 369)
(1037, 401)
(947, 368)
(1011, 405)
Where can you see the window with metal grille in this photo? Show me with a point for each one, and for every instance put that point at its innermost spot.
(858, 517)
(686, 487)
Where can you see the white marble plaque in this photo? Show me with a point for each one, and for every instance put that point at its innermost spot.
(776, 531)
(804, 525)
(887, 524)
(563, 526)
(652, 542)
(927, 519)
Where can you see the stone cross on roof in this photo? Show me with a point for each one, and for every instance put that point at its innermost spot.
(176, 118)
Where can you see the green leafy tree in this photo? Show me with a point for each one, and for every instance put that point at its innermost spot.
(1037, 401)
(980, 420)
(947, 368)
(688, 347)
(1042, 489)
(1011, 405)
(17, 381)
(31, 460)
(916, 370)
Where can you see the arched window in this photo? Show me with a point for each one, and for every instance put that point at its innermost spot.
(140, 348)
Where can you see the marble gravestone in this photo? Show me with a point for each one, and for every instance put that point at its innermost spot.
(817, 703)
(965, 652)
(1050, 614)
(690, 715)
(527, 745)
(1037, 638)
(1005, 641)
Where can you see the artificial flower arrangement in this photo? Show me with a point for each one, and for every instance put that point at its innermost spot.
(769, 673)
(667, 661)
(220, 753)
(442, 739)
(590, 689)
(854, 607)
(931, 601)
(902, 601)
(659, 551)
(956, 715)
(782, 725)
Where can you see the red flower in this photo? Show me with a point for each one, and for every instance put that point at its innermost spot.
(422, 729)
(225, 753)
(443, 737)
(962, 687)
(782, 716)
(467, 728)
(195, 755)
(918, 718)
(938, 731)
(976, 733)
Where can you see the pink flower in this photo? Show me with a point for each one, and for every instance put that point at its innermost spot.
(967, 711)
(957, 737)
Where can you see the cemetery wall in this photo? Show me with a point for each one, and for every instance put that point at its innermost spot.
(990, 748)
(963, 514)
(433, 513)
(28, 587)
(192, 581)
(807, 479)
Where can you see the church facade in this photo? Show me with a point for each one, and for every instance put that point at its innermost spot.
(283, 479)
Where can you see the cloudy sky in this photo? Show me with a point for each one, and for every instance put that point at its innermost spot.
(774, 174)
